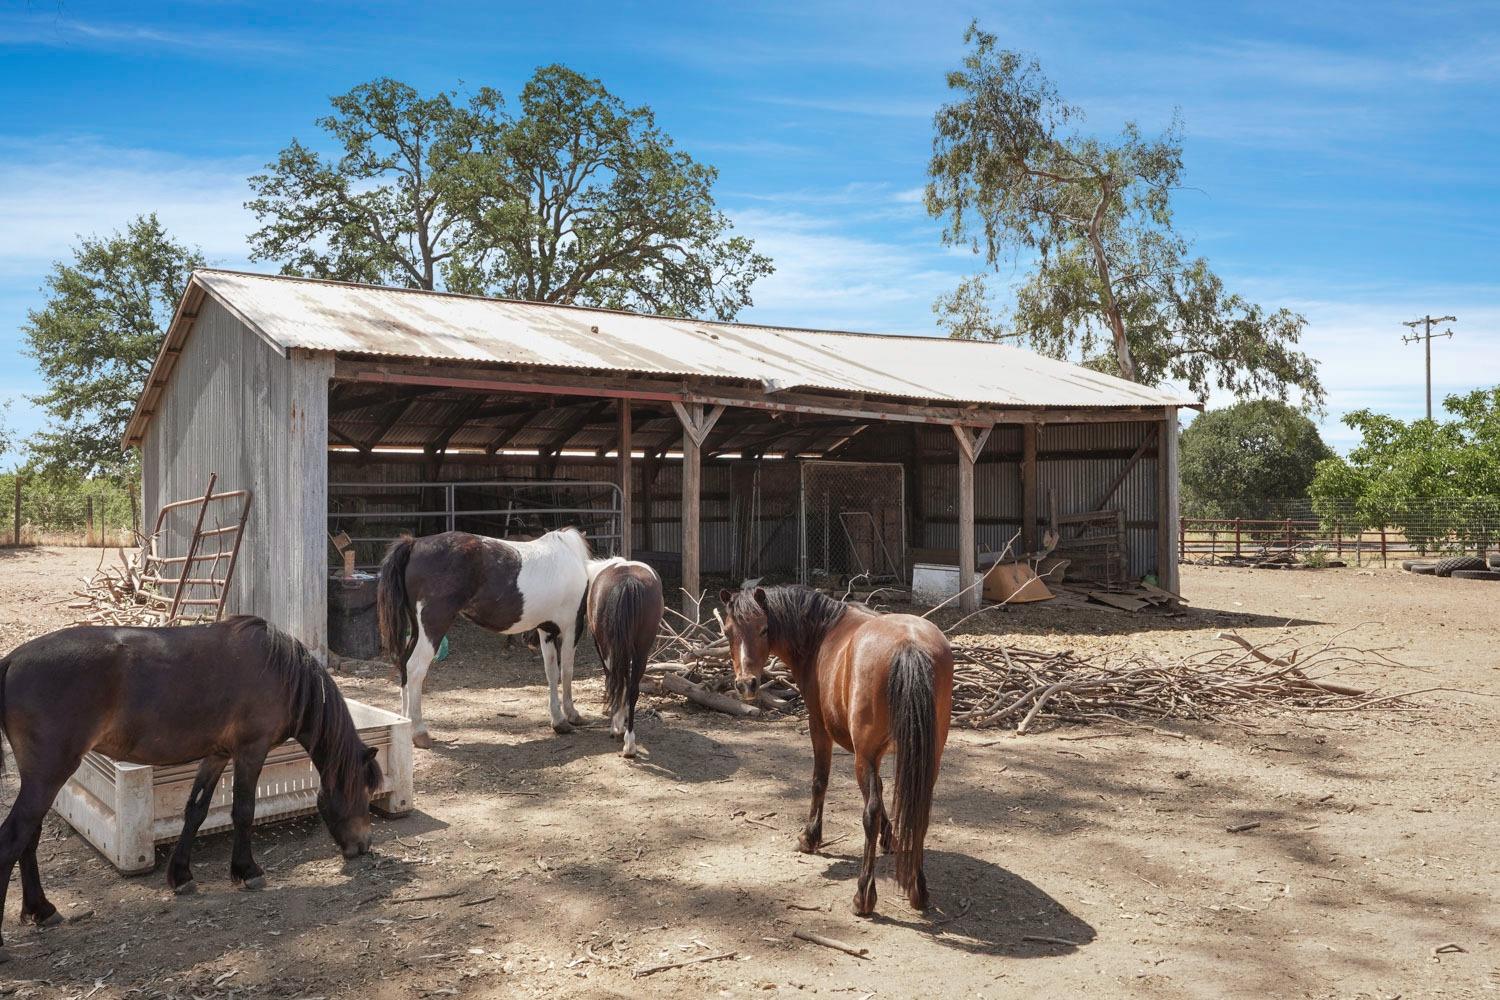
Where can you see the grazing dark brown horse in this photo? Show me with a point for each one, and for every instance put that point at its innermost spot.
(625, 606)
(872, 683)
(166, 696)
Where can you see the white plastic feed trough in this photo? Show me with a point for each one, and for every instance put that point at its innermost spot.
(126, 810)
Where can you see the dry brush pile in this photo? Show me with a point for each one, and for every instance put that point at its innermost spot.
(997, 684)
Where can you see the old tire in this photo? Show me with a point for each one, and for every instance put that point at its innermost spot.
(1445, 567)
(1410, 565)
(1476, 574)
(1424, 568)
(1495, 560)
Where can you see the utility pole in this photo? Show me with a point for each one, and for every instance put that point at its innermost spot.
(1426, 322)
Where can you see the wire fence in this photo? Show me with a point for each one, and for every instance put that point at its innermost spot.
(37, 510)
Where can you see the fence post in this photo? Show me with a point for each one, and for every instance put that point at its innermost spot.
(1236, 538)
(1338, 537)
(1383, 564)
(16, 526)
(88, 518)
(1289, 536)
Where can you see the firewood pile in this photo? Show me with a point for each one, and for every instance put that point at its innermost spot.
(996, 684)
(1000, 685)
(119, 595)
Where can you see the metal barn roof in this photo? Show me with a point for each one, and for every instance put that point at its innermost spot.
(370, 320)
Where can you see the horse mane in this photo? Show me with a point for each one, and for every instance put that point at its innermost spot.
(574, 536)
(797, 618)
(320, 717)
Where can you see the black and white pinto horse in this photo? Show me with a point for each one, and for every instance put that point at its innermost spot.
(625, 606)
(506, 587)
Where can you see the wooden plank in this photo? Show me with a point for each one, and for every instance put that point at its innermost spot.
(622, 475)
(1130, 463)
(692, 417)
(1029, 539)
(970, 443)
(1118, 600)
(848, 405)
(1167, 537)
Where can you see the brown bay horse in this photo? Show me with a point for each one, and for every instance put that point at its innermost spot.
(625, 606)
(873, 684)
(168, 696)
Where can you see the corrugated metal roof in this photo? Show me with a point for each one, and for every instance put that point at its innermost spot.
(369, 320)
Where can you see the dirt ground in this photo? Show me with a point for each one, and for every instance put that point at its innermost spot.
(569, 866)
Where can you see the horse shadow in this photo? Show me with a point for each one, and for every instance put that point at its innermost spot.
(977, 907)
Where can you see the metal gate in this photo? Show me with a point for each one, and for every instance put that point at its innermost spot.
(851, 519)
(374, 514)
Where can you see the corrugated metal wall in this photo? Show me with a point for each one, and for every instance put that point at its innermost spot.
(236, 407)
(1076, 462)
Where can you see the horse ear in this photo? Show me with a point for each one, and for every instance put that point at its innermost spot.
(725, 595)
(760, 598)
(370, 753)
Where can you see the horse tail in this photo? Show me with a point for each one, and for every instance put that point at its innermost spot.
(398, 620)
(914, 732)
(613, 624)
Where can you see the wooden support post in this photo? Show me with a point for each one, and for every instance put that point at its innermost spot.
(696, 426)
(1237, 538)
(1029, 540)
(970, 444)
(622, 466)
(650, 466)
(1169, 527)
(16, 525)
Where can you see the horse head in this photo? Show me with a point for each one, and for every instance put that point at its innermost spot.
(748, 630)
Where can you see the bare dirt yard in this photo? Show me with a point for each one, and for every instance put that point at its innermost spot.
(1059, 866)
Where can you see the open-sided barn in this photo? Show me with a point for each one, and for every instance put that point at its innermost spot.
(705, 448)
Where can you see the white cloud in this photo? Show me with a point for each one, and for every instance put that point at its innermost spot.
(60, 31)
(51, 192)
(827, 276)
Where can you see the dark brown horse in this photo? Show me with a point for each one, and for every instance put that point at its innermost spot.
(872, 683)
(625, 606)
(166, 696)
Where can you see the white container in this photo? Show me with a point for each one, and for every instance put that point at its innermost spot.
(933, 583)
(126, 810)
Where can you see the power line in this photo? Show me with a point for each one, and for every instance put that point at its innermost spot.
(1426, 337)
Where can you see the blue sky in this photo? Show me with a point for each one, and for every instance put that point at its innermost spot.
(1340, 157)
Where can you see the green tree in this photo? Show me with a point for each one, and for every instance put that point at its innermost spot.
(1236, 461)
(575, 199)
(384, 211)
(1432, 480)
(95, 340)
(1113, 281)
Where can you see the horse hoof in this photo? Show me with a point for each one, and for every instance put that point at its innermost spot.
(562, 728)
(422, 741)
(255, 884)
(52, 921)
(805, 845)
(4, 956)
(187, 888)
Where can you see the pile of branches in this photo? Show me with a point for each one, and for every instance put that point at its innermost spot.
(119, 595)
(691, 659)
(999, 685)
(996, 684)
